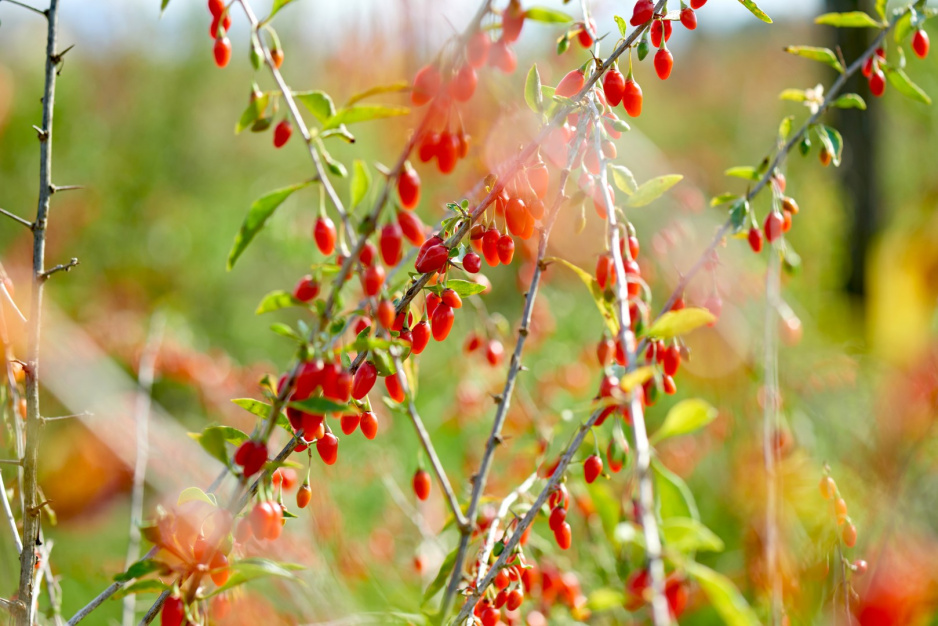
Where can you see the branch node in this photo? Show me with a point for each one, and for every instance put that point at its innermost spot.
(65, 267)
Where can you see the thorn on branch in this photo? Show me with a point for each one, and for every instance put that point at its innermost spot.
(41, 133)
(67, 267)
(57, 58)
(17, 218)
(56, 188)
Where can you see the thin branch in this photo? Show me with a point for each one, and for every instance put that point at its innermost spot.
(626, 338)
(155, 609)
(65, 267)
(58, 418)
(11, 302)
(27, 7)
(16, 462)
(4, 603)
(15, 217)
(57, 188)
(145, 377)
(32, 522)
(8, 513)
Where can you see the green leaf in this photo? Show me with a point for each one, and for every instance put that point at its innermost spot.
(278, 4)
(723, 198)
(547, 16)
(911, 20)
(850, 101)
(849, 19)
(687, 535)
(286, 331)
(319, 406)
(623, 179)
(605, 599)
(140, 568)
(250, 569)
(652, 190)
(151, 585)
(163, 5)
(213, 442)
(755, 10)
(276, 300)
(319, 103)
(794, 95)
(784, 128)
(904, 85)
(532, 90)
(605, 307)
(824, 55)
(738, 213)
(723, 595)
(360, 182)
(744, 171)
(194, 494)
(881, 9)
(448, 563)
(831, 139)
(675, 323)
(464, 288)
(254, 407)
(257, 216)
(638, 376)
(685, 417)
(399, 86)
(623, 26)
(336, 167)
(674, 496)
(364, 113)
(253, 112)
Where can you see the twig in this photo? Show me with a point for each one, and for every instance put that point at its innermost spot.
(27, 7)
(770, 431)
(58, 188)
(32, 522)
(4, 603)
(8, 512)
(58, 418)
(16, 462)
(11, 302)
(65, 267)
(15, 217)
(626, 338)
(155, 609)
(145, 377)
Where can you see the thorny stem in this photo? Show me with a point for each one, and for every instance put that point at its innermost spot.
(626, 338)
(503, 511)
(32, 523)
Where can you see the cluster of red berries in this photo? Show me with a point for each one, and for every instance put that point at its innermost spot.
(559, 502)
(829, 491)
(778, 220)
(221, 22)
(874, 73)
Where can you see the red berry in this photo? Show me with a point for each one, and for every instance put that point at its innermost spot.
(350, 422)
(372, 279)
(667, 383)
(503, 57)
(422, 484)
(490, 616)
(219, 566)
(328, 448)
(303, 496)
(408, 187)
(368, 254)
(251, 455)
(688, 18)
(266, 520)
(592, 468)
(773, 226)
(385, 314)
(477, 50)
(920, 43)
(672, 360)
(421, 334)
(222, 51)
(173, 613)
(585, 36)
(512, 21)
(472, 263)
(571, 84)
(282, 133)
(276, 55)
(632, 98)
(365, 379)
(664, 61)
(306, 289)
(447, 152)
(558, 515)
(516, 215)
(412, 227)
(464, 83)
(860, 566)
(877, 82)
(390, 242)
(643, 11)
(451, 298)
(564, 536)
(515, 598)
(755, 239)
(849, 535)
(427, 149)
(501, 581)
(216, 8)
(490, 242)
(426, 85)
(539, 179)
(494, 352)
(432, 258)
(324, 234)
(696, 4)
(506, 249)
(369, 424)
(432, 301)
(442, 321)
(393, 386)
(605, 271)
(660, 29)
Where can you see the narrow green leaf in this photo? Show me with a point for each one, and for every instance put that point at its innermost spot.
(605, 307)
(191, 494)
(278, 4)
(784, 128)
(319, 103)
(399, 86)
(334, 166)
(675, 323)
(738, 213)
(213, 442)
(831, 139)
(685, 417)
(364, 113)
(276, 300)
(257, 216)
(743, 171)
(755, 10)
(687, 535)
(547, 16)
(464, 288)
(674, 496)
(723, 199)
(319, 406)
(794, 95)
(723, 595)
(824, 55)
(623, 179)
(140, 568)
(437, 583)
(850, 101)
(254, 407)
(532, 90)
(652, 190)
(849, 19)
(360, 182)
(250, 569)
(904, 85)
(150, 585)
(623, 26)
(253, 112)
(163, 5)
(881, 9)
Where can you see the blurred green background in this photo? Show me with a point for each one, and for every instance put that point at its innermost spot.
(144, 121)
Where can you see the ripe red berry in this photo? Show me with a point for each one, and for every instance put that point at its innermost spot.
(849, 535)
(494, 352)
(539, 179)
(442, 321)
(755, 239)
(349, 422)
(472, 263)
(222, 51)
(408, 187)
(632, 98)
(372, 279)
(605, 271)
(860, 566)
(477, 50)
(773, 226)
(365, 379)
(303, 496)
(696, 4)
(447, 152)
(266, 520)
(431, 258)
(503, 57)
(464, 83)
(920, 43)
(412, 228)
(390, 242)
(328, 448)
(324, 234)
(393, 386)
(667, 383)
(369, 424)
(506, 249)
(672, 360)
(664, 61)
(490, 617)
(490, 246)
(877, 82)
(426, 85)
(219, 569)
(688, 18)
(501, 580)
(427, 148)
(368, 254)
(564, 536)
(592, 468)
(512, 21)
(282, 133)
(216, 7)
(558, 515)
(515, 598)
(451, 298)
(173, 613)
(660, 29)
(585, 36)
(422, 484)
(306, 289)
(251, 455)
(421, 334)
(571, 84)
(643, 11)
(432, 301)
